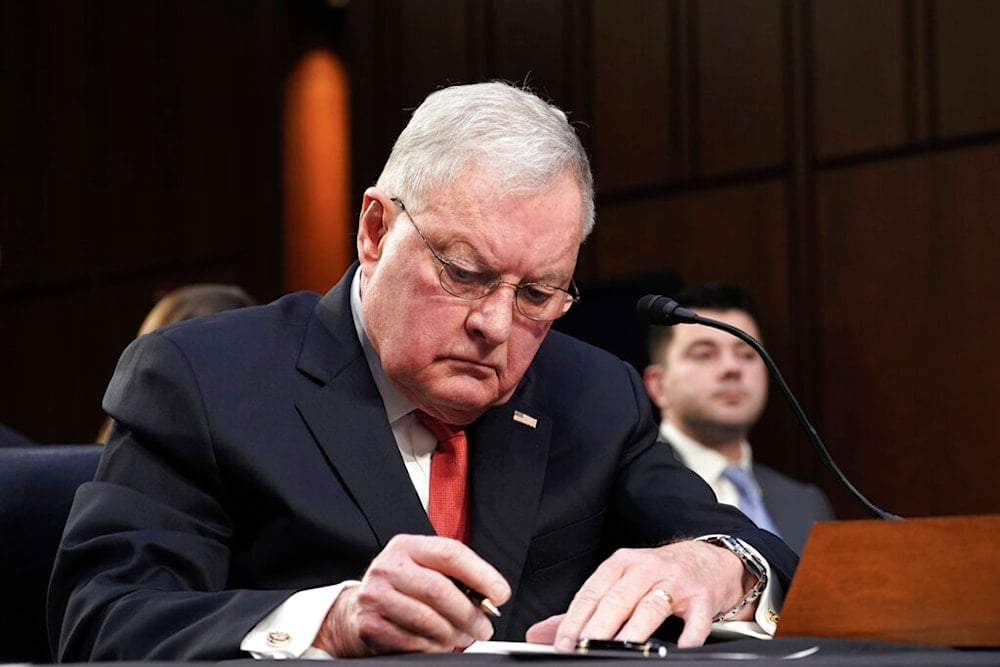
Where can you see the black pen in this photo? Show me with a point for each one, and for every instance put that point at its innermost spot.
(478, 599)
(610, 648)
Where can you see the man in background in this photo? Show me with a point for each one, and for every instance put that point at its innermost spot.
(711, 389)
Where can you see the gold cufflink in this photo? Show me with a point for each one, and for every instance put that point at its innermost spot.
(278, 638)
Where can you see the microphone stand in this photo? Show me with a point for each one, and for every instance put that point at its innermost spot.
(673, 313)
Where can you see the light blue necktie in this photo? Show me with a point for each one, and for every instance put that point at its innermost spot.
(750, 501)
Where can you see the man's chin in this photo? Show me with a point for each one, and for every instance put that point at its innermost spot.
(461, 407)
(464, 405)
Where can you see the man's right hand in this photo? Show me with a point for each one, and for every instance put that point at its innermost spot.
(406, 602)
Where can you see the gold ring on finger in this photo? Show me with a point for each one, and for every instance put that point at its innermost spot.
(663, 595)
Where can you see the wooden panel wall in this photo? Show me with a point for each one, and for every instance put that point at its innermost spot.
(140, 151)
(838, 157)
(909, 289)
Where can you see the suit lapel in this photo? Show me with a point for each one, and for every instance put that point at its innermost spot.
(346, 416)
(507, 462)
(352, 430)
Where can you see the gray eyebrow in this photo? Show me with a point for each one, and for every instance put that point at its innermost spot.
(483, 267)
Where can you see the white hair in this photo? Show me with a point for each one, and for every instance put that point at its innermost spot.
(521, 142)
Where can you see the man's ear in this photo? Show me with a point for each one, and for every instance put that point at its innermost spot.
(653, 377)
(373, 225)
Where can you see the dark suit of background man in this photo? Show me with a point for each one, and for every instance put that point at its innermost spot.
(711, 388)
(263, 490)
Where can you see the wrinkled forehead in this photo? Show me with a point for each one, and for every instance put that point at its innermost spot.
(478, 194)
(496, 225)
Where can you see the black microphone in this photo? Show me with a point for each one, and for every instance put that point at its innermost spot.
(664, 311)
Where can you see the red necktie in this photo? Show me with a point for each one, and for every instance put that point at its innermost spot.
(447, 506)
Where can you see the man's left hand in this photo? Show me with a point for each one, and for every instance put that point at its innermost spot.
(635, 590)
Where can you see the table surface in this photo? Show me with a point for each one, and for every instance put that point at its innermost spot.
(821, 652)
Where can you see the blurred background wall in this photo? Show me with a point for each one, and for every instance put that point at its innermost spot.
(840, 158)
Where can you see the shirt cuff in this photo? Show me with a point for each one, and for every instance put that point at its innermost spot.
(288, 631)
(769, 602)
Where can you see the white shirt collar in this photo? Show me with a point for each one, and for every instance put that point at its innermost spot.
(705, 461)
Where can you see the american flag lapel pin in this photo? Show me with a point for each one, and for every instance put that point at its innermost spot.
(527, 420)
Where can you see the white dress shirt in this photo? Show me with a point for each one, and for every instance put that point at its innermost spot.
(707, 462)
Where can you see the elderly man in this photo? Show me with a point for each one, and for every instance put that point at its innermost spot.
(312, 477)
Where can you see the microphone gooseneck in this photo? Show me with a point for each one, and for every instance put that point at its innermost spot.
(664, 311)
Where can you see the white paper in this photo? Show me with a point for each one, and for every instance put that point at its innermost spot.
(511, 648)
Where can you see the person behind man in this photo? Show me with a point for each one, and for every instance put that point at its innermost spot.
(272, 490)
(711, 389)
(188, 301)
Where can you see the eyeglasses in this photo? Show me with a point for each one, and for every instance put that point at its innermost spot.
(536, 301)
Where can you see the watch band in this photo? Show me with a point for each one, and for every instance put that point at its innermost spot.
(750, 562)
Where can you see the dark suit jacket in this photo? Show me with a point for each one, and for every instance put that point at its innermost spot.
(11, 438)
(252, 457)
(793, 505)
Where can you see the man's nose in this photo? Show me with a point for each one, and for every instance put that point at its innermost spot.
(733, 364)
(492, 316)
